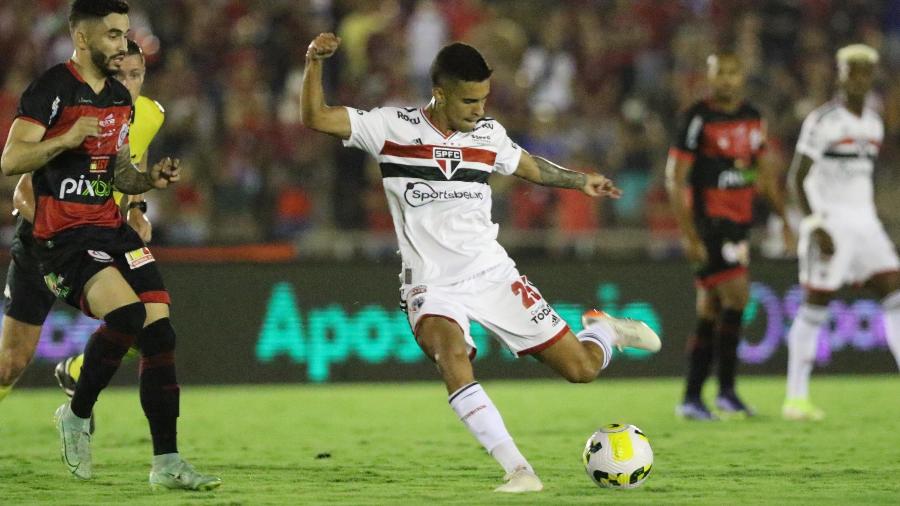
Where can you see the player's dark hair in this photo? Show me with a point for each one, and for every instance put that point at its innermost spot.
(459, 61)
(134, 48)
(95, 9)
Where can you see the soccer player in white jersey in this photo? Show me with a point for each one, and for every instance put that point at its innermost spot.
(435, 162)
(842, 241)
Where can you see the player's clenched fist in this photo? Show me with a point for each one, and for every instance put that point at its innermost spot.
(84, 127)
(323, 46)
(596, 185)
(165, 172)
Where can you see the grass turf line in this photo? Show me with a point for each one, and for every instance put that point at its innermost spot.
(402, 444)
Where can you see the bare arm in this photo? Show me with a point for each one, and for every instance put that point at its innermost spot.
(131, 181)
(797, 173)
(128, 179)
(541, 171)
(23, 197)
(677, 172)
(769, 184)
(25, 151)
(314, 113)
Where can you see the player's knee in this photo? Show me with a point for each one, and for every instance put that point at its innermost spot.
(158, 337)
(582, 371)
(449, 356)
(128, 319)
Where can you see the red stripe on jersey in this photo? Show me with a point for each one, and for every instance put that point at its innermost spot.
(733, 139)
(71, 66)
(733, 204)
(681, 155)
(54, 216)
(107, 143)
(426, 151)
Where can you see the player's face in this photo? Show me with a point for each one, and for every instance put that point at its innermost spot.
(856, 78)
(726, 76)
(131, 73)
(105, 41)
(464, 103)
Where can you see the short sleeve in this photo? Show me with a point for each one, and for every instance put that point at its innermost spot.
(39, 105)
(811, 141)
(508, 153)
(687, 142)
(368, 130)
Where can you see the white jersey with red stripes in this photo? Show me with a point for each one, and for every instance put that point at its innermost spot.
(436, 186)
(844, 147)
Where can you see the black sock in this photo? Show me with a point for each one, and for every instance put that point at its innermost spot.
(159, 387)
(729, 337)
(103, 355)
(700, 356)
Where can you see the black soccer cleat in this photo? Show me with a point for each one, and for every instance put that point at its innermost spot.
(730, 405)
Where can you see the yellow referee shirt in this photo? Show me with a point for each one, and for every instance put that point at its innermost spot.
(148, 118)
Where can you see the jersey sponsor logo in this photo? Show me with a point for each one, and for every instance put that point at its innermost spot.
(100, 256)
(736, 178)
(139, 257)
(448, 159)
(419, 194)
(406, 117)
(84, 188)
(98, 165)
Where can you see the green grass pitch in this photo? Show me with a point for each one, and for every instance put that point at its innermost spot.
(401, 444)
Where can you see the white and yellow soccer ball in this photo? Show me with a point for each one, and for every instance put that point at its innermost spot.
(618, 456)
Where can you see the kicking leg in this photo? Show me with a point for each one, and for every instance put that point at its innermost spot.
(443, 341)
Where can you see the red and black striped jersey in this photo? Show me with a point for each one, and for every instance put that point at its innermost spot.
(724, 148)
(74, 189)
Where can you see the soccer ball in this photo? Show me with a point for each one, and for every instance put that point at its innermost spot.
(618, 456)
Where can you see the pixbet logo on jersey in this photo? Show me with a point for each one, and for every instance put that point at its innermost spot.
(448, 159)
(85, 188)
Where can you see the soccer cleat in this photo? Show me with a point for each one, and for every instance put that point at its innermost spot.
(180, 475)
(801, 410)
(694, 409)
(520, 480)
(67, 382)
(629, 333)
(731, 406)
(75, 442)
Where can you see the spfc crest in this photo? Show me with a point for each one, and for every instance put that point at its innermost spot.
(448, 159)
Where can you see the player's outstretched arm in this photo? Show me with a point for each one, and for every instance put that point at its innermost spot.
(541, 171)
(677, 172)
(25, 151)
(314, 113)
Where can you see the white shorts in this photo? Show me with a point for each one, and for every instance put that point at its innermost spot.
(500, 299)
(862, 250)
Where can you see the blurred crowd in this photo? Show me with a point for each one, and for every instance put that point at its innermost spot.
(592, 84)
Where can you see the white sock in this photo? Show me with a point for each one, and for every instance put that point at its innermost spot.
(891, 307)
(481, 417)
(802, 340)
(601, 334)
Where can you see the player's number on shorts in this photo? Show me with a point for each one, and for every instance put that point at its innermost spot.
(529, 295)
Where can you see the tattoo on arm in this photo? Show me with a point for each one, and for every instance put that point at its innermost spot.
(558, 177)
(128, 179)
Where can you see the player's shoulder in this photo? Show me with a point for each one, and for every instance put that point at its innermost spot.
(54, 79)
(150, 104)
(825, 112)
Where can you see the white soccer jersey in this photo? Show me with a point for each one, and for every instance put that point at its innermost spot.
(844, 147)
(437, 189)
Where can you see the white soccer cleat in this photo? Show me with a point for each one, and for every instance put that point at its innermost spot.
(521, 480)
(629, 333)
(75, 442)
(180, 475)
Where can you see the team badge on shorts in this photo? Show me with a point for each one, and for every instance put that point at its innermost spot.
(139, 257)
(100, 256)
